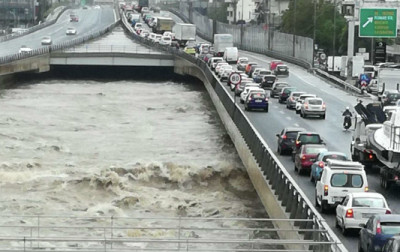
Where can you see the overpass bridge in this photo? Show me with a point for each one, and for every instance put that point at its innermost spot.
(281, 195)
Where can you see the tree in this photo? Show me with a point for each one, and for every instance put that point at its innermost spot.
(299, 19)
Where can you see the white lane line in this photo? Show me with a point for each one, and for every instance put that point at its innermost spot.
(281, 112)
(115, 16)
(275, 106)
(289, 118)
(297, 125)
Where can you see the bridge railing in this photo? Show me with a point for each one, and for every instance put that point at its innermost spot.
(292, 198)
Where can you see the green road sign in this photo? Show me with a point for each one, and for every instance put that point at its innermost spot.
(378, 23)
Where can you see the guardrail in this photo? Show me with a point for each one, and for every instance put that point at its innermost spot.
(34, 28)
(91, 48)
(336, 80)
(111, 233)
(288, 191)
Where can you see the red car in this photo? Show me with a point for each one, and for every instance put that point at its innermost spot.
(306, 156)
(74, 18)
(273, 64)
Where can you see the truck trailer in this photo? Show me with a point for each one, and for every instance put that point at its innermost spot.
(222, 41)
(184, 32)
(163, 24)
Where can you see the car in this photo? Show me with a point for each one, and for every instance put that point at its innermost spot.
(256, 101)
(240, 87)
(260, 75)
(268, 82)
(248, 67)
(313, 107)
(46, 40)
(286, 139)
(390, 97)
(219, 64)
(73, 18)
(191, 42)
(174, 44)
(204, 48)
(24, 49)
(338, 179)
(306, 156)
(281, 70)
(138, 26)
(222, 70)
(277, 88)
(241, 63)
(357, 208)
(392, 244)
(71, 31)
(157, 38)
(319, 164)
(284, 94)
(85, 7)
(165, 40)
(152, 22)
(300, 101)
(97, 7)
(305, 137)
(144, 33)
(214, 61)
(145, 10)
(273, 64)
(248, 89)
(257, 71)
(377, 230)
(226, 73)
(189, 50)
(291, 100)
(152, 36)
(147, 18)
(206, 56)
(251, 70)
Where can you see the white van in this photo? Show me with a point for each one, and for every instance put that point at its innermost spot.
(231, 55)
(338, 179)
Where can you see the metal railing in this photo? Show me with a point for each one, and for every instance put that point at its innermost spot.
(288, 191)
(60, 233)
(336, 80)
(92, 48)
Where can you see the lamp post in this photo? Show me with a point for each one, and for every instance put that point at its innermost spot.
(294, 28)
(334, 35)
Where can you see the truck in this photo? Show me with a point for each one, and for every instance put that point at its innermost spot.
(222, 41)
(375, 141)
(334, 64)
(357, 66)
(387, 79)
(184, 32)
(163, 24)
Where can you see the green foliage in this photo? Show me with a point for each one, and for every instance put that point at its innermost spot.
(299, 19)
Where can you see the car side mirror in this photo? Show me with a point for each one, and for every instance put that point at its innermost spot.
(278, 135)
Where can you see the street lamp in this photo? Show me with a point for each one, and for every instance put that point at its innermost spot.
(334, 35)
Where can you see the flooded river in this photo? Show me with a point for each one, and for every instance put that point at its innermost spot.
(122, 147)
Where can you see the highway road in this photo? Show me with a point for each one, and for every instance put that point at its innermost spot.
(90, 20)
(271, 123)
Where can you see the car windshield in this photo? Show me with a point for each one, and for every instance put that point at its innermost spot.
(264, 72)
(390, 228)
(315, 102)
(282, 68)
(303, 97)
(258, 96)
(291, 135)
(310, 139)
(314, 150)
(288, 90)
(294, 94)
(269, 78)
(368, 202)
(346, 180)
(244, 61)
(393, 96)
(334, 156)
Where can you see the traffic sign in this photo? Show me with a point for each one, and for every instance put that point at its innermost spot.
(235, 78)
(378, 23)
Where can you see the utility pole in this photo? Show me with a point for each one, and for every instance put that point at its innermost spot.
(334, 35)
(315, 28)
(294, 28)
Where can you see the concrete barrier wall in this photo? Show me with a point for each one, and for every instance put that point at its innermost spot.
(204, 25)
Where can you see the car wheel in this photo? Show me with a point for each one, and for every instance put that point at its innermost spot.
(241, 101)
(297, 111)
(360, 249)
(323, 117)
(316, 199)
(324, 207)
(344, 229)
(295, 167)
(245, 108)
(311, 177)
(301, 114)
(266, 109)
(336, 223)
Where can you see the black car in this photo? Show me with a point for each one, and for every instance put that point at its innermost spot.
(390, 97)
(277, 88)
(285, 93)
(268, 81)
(281, 70)
(287, 138)
(305, 138)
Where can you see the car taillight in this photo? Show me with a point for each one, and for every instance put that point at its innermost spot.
(303, 157)
(378, 228)
(349, 213)
(388, 211)
(323, 106)
(370, 156)
(297, 143)
(249, 98)
(326, 190)
(366, 189)
(396, 178)
(321, 164)
(284, 137)
(266, 99)
(306, 105)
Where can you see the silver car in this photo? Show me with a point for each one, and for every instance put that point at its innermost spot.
(314, 107)
(291, 100)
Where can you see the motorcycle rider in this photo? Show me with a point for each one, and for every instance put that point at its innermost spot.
(347, 117)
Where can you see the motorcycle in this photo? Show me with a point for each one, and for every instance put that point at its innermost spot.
(347, 122)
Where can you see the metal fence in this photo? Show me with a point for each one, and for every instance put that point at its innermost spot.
(289, 193)
(111, 233)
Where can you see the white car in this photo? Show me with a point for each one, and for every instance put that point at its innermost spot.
(249, 89)
(214, 61)
(300, 101)
(165, 40)
(241, 63)
(338, 179)
(357, 208)
(138, 26)
(219, 64)
(144, 33)
(225, 74)
(157, 38)
(24, 49)
(257, 71)
(71, 31)
(313, 106)
(152, 36)
(46, 40)
(222, 69)
(170, 34)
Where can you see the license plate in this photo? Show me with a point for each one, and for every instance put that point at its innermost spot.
(258, 100)
(337, 199)
(367, 215)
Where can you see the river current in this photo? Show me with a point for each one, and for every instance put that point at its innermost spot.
(121, 148)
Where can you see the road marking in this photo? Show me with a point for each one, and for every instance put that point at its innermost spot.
(289, 118)
(297, 125)
(275, 107)
(281, 112)
(115, 15)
